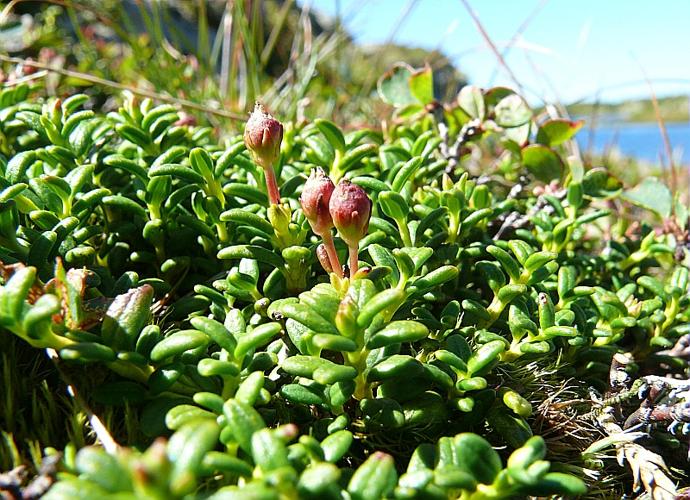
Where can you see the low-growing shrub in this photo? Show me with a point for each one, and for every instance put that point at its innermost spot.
(193, 289)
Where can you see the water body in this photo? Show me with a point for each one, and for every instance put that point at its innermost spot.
(642, 141)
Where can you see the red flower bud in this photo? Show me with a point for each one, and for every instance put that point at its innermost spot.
(262, 136)
(350, 208)
(315, 199)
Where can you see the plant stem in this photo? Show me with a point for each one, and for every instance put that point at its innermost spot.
(223, 235)
(354, 260)
(272, 186)
(327, 238)
(404, 233)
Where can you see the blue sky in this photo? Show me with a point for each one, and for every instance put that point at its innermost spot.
(571, 49)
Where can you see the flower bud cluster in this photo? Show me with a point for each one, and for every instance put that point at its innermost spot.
(345, 207)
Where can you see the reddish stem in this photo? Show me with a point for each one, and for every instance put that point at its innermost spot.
(327, 238)
(272, 186)
(354, 260)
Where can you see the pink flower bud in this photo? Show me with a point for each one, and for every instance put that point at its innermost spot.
(350, 208)
(315, 198)
(262, 136)
(324, 259)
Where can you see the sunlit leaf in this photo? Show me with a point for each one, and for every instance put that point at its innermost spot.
(542, 162)
(422, 85)
(557, 131)
(653, 195)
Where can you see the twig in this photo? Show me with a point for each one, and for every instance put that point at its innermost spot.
(109, 83)
(648, 468)
(109, 444)
(521, 29)
(24, 79)
(664, 133)
(227, 42)
(492, 45)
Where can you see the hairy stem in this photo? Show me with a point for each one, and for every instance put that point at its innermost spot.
(354, 260)
(272, 186)
(327, 238)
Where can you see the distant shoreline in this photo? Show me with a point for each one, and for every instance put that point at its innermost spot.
(673, 109)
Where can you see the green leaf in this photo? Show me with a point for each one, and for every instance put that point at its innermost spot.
(454, 477)
(14, 294)
(393, 205)
(394, 86)
(484, 356)
(536, 260)
(18, 165)
(38, 320)
(88, 352)
(249, 389)
(422, 85)
(598, 183)
(558, 483)
(354, 156)
(219, 461)
(397, 332)
(407, 170)
(383, 257)
(186, 450)
(259, 336)
(301, 394)
(336, 445)
(164, 377)
(322, 371)
(475, 455)
(542, 162)
(320, 480)
(471, 101)
(251, 252)
(201, 162)
(332, 134)
(436, 277)
(245, 192)
(268, 451)
(391, 298)
(244, 422)
(512, 111)
(133, 135)
(307, 316)
(554, 132)
(398, 365)
(330, 342)
(508, 263)
(216, 331)
(178, 171)
(534, 449)
(102, 469)
(653, 195)
(209, 367)
(126, 317)
(374, 479)
(75, 489)
(246, 218)
(125, 204)
(177, 343)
